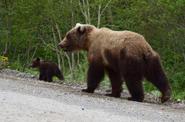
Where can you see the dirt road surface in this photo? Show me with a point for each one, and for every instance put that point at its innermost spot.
(36, 101)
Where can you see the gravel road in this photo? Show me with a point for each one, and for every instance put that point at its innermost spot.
(24, 100)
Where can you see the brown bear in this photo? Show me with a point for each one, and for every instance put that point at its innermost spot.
(123, 55)
(47, 70)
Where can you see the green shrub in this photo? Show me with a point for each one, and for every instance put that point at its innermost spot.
(3, 62)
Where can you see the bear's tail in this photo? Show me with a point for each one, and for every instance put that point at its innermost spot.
(156, 75)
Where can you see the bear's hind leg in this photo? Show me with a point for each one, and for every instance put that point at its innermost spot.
(95, 75)
(157, 77)
(116, 83)
(160, 81)
(135, 88)
(132, 71)
(49, 76)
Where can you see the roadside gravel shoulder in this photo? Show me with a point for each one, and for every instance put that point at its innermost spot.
(76, 88)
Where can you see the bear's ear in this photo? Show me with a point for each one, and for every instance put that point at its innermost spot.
(37, 59)
(81, 29)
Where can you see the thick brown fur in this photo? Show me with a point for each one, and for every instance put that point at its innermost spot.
(123, 55)
(47, 70)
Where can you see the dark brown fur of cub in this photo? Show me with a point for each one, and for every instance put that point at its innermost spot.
(47, 70)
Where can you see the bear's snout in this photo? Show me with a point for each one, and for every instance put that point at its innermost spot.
(62, 44)
(65, 45)
(32, 66)
(59, 45)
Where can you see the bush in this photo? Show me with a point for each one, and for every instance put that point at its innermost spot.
(3, 62)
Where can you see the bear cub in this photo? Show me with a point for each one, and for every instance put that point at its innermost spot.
(47, 70)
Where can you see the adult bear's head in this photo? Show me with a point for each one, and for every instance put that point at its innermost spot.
(77, 38)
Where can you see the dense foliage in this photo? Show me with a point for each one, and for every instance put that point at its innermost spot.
(33, 28)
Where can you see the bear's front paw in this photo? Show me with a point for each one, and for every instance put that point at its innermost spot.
(108, 90)
(109, 95)
(87, 90)
(135, 99)
(113, 95)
